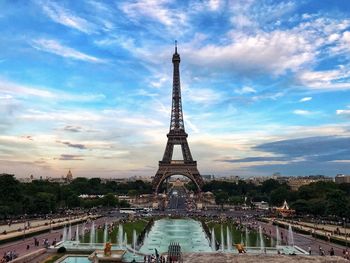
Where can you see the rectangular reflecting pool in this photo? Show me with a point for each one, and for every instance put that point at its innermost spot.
(75, 259)
(188, 233)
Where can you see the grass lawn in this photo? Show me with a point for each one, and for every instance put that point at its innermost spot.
(128, 228)
(238, 236)
(53, 258)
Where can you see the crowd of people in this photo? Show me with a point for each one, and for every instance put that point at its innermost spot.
(8, 256)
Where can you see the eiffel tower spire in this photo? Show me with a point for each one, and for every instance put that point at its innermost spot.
(176, 121)
(177, 136)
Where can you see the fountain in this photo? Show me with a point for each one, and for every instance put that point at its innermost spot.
(222, 239)
(64, 235)
(105, 233)
(125, 239)
(77, 234)
(69, 237)
(120, 235)
(92, 233)
(134, 239)
(213, 244)
(290, 236)
(278, 242)
(262, 245)
(246, 237)
(188, 233)
(83, 230)
(228, 239)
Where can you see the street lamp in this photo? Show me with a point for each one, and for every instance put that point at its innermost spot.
(346, 237)
(24, 227)
(50, 217)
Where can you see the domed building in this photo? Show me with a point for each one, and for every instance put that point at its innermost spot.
(69, 176)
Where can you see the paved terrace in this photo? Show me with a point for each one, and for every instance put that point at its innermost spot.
(327, 231)
(244, 258)
(39, 226)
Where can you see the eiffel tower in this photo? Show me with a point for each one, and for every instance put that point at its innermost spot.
(177, 136)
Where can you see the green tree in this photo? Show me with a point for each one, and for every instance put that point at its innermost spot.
(221, 198)
(109, 200)
(278, 196)
(337, 203)
(10, 190)
(45, 203)
(301, 206)
(269, 185)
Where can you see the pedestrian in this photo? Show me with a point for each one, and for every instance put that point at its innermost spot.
(331, 252)
(28, 247)
(310, 251)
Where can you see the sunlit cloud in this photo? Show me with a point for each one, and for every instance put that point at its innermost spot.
(55, 47)
(63, 16)
(305, 99)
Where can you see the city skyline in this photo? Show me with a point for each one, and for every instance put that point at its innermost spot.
(86, 86)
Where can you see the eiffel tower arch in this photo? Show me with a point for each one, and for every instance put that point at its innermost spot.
(177, 136)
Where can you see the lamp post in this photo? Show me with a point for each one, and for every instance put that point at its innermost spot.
(346, 237)
(50, 217)
(24, 227)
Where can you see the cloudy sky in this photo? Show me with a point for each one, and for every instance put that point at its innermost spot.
(86, 85)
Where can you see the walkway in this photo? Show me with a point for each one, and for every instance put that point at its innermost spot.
(43, 225)
(303, 241)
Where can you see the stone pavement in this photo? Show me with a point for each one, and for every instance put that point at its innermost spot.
(20, 246)
(32, 223)
(43, 227)
(244, 258)
(304, 241)
(321, 230)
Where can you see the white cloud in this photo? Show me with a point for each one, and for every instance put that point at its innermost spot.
(245, 90)
(305, 99)
(269, 96)
(10, 90)
(202, 96)
(63, 16)
(274, 52)
(336, 79)
(15, 90)
(343, 42)
(302, 112)
(214, 4)
(53, 46)
(155, 10)
(343, 112)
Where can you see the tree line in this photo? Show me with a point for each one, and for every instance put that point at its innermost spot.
(43, 197)
(318, 199)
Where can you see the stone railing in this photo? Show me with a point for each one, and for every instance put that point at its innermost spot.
(29, 257)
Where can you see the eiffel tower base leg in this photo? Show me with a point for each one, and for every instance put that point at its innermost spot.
(189, 171)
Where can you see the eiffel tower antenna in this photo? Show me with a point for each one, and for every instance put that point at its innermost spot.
(177, 136)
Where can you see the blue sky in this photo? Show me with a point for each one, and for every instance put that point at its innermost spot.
(86, 85)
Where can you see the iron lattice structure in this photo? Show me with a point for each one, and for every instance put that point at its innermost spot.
(177, 136)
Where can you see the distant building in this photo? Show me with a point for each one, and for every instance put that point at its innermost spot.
(26, 179)
(208, 177)
(261, 205)
(296, 182)
(69, 176)
(257, 180)
(342, 178)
